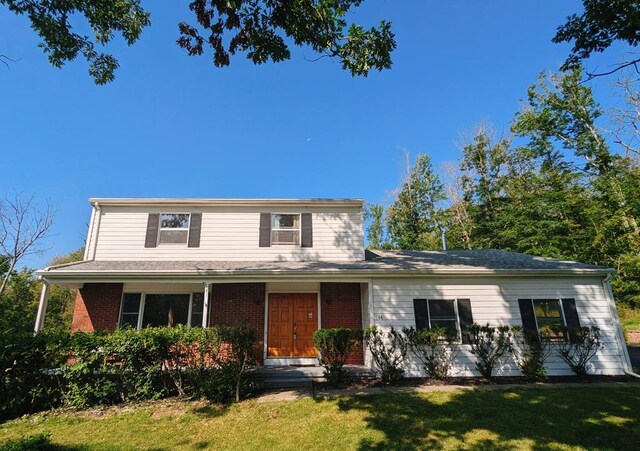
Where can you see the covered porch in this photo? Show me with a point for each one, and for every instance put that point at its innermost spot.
(284, 312)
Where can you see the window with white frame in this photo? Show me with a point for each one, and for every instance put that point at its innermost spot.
(155, 310)
(549, 317)
(454, 315)
(174, 228)
(285, 229)
(442, 313)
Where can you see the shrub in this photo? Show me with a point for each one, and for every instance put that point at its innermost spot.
(530, 352)
(335, 347)
(388, 352)
(582, 346)
(435, 349)
(489, 345)
(26, 385)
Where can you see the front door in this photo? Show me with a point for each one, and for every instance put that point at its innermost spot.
(292, 317)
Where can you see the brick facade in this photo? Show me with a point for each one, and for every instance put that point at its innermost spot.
(97, 307)
(341, 307)
(239, 303)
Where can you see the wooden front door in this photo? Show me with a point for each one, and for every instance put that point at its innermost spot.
(293, 317)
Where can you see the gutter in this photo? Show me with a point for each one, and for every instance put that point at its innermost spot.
(622, 348)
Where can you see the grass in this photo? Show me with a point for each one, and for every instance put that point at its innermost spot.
(630, 319)
(570, 417)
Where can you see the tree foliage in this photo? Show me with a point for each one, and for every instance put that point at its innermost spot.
(554, 187)
(602, 23)
(261, 29)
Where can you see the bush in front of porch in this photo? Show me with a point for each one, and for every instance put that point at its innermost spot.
(335, 347)
(96, 368)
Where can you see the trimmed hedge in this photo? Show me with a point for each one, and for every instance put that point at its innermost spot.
(335, 347)
(82, 369)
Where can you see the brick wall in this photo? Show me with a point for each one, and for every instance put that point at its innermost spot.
(97, 307)
(341, 307)
(239, 303)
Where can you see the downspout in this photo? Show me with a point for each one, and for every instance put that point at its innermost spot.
(622, 348)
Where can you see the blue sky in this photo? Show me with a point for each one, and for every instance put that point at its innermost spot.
(175, 126)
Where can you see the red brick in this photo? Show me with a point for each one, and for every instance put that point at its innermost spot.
(341, 307)
(97, 307)
(239, 304)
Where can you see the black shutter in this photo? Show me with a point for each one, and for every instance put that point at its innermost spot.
(153, 222)
(570, 316)
(421, 313)
(307, 230)
(265, 229)
(466, 317)
(528, 317)
(195, 225)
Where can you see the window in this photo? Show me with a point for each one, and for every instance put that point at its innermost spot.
(548, 313)
(130, 309)
(174, 228)
(157, 310)
(285, 229)
(452, 314)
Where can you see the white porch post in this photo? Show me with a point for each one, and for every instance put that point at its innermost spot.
(42, 306)
(205, 307)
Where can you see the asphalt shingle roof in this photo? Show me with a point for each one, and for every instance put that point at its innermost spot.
(377, 261)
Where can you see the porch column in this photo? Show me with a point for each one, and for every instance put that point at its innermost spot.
(42, 306)
(205, 307)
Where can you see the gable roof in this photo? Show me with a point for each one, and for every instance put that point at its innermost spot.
(217, 202)
(376, 264)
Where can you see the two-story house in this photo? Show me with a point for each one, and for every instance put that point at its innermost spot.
(290, 266)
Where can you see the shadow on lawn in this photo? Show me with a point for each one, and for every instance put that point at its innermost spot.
(488, 419)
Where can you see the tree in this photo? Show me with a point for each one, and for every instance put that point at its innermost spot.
(24, 227)
(375, 231)
(61, 298)
(259, 28)
(414, 219)
(602, 23)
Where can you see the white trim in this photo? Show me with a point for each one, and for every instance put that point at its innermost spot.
(562, 317)
(289, 360)
(88, 242)
(139, 201)
(613, 311)
(205, 305)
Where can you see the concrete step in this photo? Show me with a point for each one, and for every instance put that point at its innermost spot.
(288, 382)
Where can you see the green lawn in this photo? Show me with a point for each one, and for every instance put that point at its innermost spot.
(630, 319)
(574, 417)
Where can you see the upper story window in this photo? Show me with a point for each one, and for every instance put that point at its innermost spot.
(285, 229)
(174, 228)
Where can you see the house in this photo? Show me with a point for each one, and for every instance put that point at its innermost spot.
(290, 266)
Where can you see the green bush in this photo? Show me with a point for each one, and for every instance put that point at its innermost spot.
(388, 352)
(489, 345)
(530, 352)
(583, 344)
(25, 384)
(435, 348)
(335, 347)
(97, 368)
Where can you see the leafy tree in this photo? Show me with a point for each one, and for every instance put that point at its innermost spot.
(602, 23)
(258, 28)
(415, 218)
(19, 302)
(375, 231)
(62, 299)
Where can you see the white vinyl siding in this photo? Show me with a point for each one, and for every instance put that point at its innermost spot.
(495, 301)
(231, 234)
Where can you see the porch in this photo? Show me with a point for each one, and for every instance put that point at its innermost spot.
(284, 313)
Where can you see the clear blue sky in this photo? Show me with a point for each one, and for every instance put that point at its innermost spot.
(175, 126)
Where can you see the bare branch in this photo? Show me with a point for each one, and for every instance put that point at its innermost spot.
(24, 227)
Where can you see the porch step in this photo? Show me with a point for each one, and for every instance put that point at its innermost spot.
(288, 383)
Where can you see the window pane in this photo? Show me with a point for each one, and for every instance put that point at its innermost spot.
(285, 236)
(165, 310)
(449, 324)
(131, 303)
(196, 309)
(173, 236)
(174, 221)
(547, 308)
(286, 221)
(441, 308)
(130, 319)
